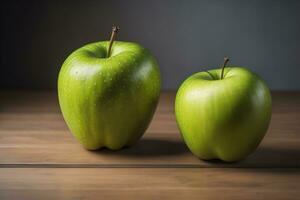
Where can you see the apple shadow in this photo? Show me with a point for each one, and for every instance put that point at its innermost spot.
(149, 147)
(279, 156)
(264, 157)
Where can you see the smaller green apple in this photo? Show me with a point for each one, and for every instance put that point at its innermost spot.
(223, 113)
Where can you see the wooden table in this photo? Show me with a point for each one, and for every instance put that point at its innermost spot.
(39, 158)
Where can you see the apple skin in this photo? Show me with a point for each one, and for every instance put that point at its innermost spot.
(109, 102)
(223, 119)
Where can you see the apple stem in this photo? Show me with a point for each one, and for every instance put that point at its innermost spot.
(114, 31)
(223, 67)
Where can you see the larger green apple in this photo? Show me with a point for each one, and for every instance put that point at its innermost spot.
(108, 98)
(223, 118)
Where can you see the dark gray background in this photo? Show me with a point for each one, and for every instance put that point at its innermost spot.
(185, 36)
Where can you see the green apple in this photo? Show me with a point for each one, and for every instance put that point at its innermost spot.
(223, 114)
(108, 92)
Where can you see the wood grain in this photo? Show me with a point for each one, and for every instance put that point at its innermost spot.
(32, 131)
(129, 183)
(39, 158)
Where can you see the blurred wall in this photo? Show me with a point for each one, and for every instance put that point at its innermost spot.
(185, 36)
